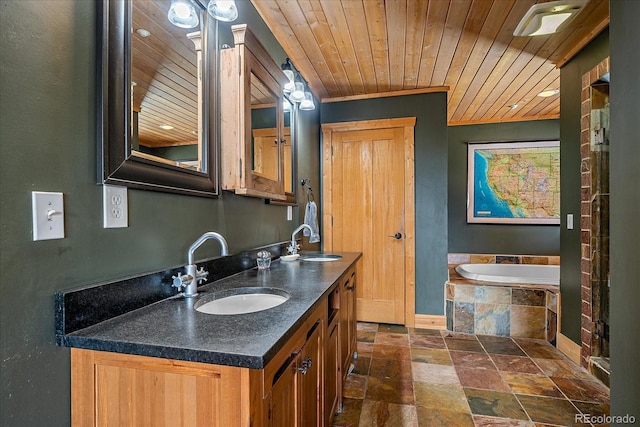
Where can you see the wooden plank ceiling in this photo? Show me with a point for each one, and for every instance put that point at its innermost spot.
(164, 69)
(364, 48)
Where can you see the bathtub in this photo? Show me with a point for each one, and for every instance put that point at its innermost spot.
(511, 273)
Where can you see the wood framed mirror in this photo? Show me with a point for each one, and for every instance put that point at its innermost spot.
(156, 100)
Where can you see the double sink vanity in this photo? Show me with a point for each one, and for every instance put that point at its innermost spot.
(172, 362)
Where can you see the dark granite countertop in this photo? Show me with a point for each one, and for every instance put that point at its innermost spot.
(173, 329)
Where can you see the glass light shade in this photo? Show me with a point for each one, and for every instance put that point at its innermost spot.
(182, 13)
(223, 10)
(290, 85)
(297, 94)
(286, 106)
(550, 23)
(307, 102)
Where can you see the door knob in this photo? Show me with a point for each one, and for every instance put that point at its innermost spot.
(397, 236)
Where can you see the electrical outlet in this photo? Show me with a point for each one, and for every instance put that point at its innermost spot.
(48, 215)
(115, 206)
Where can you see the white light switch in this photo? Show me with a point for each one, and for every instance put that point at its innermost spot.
(569, 221)
(115, 206)
(48, 215)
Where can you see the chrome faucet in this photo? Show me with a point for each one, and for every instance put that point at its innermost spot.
(293, 246)
(194, 276)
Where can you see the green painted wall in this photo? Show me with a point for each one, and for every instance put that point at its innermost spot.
(430, 111)
(625, 208)
(570, 88)
(48, 143)
(494, 238)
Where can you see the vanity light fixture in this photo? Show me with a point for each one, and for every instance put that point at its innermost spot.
(297, 95)
(287, 69)
(223, 10)
(182, 13)
(548, 18)
(548, 93)
(307, 103)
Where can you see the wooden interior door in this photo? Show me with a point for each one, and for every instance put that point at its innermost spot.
(368, 189)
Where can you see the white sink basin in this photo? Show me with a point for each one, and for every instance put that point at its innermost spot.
(241, 301)
(320, 258)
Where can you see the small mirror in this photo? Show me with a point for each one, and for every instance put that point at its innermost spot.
(265, 140)
(156, 104)
(289, 150)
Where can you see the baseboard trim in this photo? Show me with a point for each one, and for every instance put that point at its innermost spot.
(569, 348)
(430, 321)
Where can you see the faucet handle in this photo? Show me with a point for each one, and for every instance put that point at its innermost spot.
(201, 275)
(180, 280)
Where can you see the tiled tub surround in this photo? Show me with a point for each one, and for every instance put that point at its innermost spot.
(487, 308)
(170, 328)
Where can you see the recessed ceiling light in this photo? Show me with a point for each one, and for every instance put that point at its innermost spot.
(166, 127)
(548, 93)
(513, 106)
(143, 33)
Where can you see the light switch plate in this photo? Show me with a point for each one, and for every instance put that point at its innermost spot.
(48, 215)
(289, 213)
(115, 206)
(569, 221)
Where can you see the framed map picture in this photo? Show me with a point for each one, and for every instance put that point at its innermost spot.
(514, 183)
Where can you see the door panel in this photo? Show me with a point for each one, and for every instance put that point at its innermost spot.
(368, 185)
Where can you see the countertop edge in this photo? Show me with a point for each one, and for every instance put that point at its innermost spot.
(83, 338)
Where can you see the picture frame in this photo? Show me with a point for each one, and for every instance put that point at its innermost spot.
(513, 182)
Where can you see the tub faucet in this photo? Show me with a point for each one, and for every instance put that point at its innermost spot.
(194, 276)
(293, 247)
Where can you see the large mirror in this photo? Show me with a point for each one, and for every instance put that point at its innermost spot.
(157, 98)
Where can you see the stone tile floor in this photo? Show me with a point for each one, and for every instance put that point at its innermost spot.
(407, 377)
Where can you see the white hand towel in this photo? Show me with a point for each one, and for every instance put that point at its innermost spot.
(311, 219)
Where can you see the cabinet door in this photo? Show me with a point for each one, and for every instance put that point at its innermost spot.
(332, 381)
(309, 370)
(351, 303)
(284, 397)
(346, 324)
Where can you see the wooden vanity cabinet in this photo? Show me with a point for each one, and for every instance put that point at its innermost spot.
(251, 86)
(300, 387)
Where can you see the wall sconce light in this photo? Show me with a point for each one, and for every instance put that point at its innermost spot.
(297, 95)
(288, 71)
(182, 13)
(548, 18)
(223, 10)
(307, 103)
